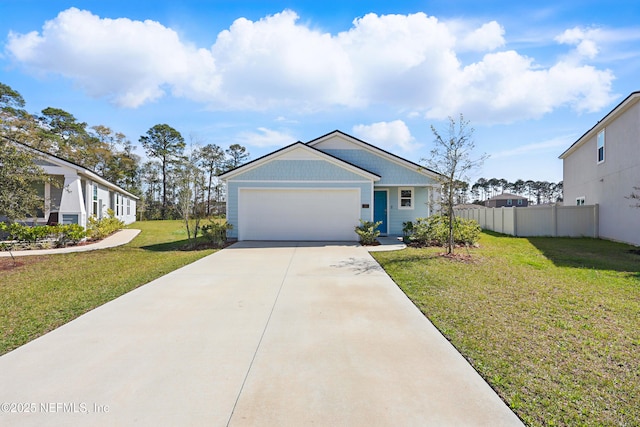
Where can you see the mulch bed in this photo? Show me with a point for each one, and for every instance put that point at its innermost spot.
(7, 264)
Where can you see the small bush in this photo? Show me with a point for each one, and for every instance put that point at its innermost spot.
(25, 233)
(434, 231)
(70, 233)
(216, 232)
(368, 231)
(43, 235)
(98, 229)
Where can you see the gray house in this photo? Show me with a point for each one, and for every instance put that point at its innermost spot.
(507, 200)
(319, 190)
(603, 167)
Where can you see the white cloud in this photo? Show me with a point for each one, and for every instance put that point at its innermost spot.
(489, 36)
(585, 41)
(265, 138)
(128, 61)
(553, 145)
(388, 135)
(409, 62)
(277, 62)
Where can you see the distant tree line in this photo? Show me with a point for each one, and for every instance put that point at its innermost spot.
(537, 192)
(160, 182)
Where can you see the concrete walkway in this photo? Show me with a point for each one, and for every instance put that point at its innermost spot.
(118, 238)
(269, 334)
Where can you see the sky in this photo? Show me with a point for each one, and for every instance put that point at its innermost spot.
(530, 78)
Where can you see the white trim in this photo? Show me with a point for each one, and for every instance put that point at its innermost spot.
(610, 117)
(413, 198)
(386, 190)
(293, 181)
(301, 188)
(373, 204)
(604, 144)
(408, 185)
(82, 172)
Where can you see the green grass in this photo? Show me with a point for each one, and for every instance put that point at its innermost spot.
(552, 324)
(45, 292)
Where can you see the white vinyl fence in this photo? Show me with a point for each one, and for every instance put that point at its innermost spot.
(556, 221)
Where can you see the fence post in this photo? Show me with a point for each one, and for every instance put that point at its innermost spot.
(596, 220)
(554, 220)
(515, 221)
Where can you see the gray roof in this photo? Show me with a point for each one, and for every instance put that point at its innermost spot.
(506, 196)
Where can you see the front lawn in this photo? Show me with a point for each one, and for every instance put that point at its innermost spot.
(552, 324)
(45, 292)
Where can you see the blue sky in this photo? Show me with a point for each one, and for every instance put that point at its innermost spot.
(531, 78)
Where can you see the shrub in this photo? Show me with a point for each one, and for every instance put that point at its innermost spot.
(100, 228)
(70, 233)
(435, 231)
(25, 233)
(367, 230)
(60, 234)
(216, 232)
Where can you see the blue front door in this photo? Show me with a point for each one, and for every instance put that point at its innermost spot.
(380, 210)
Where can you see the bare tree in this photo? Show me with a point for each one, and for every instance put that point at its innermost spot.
(451, 158)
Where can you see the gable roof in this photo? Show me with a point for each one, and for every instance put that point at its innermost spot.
(379, 151)
(506, 196)
(298, 145)
(59, 161)
(623, 106)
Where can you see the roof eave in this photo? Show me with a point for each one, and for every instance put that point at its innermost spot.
(263, 159)
(406, 163)
(626, 103)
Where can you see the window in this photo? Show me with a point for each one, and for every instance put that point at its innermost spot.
(39, 187)
(601, 146)
(509, 202)
(519, 202)
(118, 204)
(94, 211)
(69, 219)
(128, 206)
(580, 201)
(405, 198)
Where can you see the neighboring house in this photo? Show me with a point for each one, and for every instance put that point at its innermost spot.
(77, 193)
(320, 190)
(603, 166)
(507, 200)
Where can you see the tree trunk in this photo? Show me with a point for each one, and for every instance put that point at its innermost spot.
(209, 193)
(163, 212)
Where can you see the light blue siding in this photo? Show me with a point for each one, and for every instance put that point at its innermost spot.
(299, 170)
(421, 208)
(391, 173)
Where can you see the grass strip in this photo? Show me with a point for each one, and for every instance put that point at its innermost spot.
(552, 324)
(45, 292)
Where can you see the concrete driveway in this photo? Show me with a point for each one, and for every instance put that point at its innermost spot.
(272, 334)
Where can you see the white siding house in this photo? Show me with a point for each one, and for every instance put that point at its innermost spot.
(79, 193)
(603, 166)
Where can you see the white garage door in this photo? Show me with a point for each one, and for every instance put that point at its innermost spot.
(296, 214)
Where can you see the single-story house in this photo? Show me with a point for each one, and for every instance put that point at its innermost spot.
(319, 190)
(78, 193)
(603, 166)
(507, 200)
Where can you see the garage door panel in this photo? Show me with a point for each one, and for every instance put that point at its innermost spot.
(298, 214)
